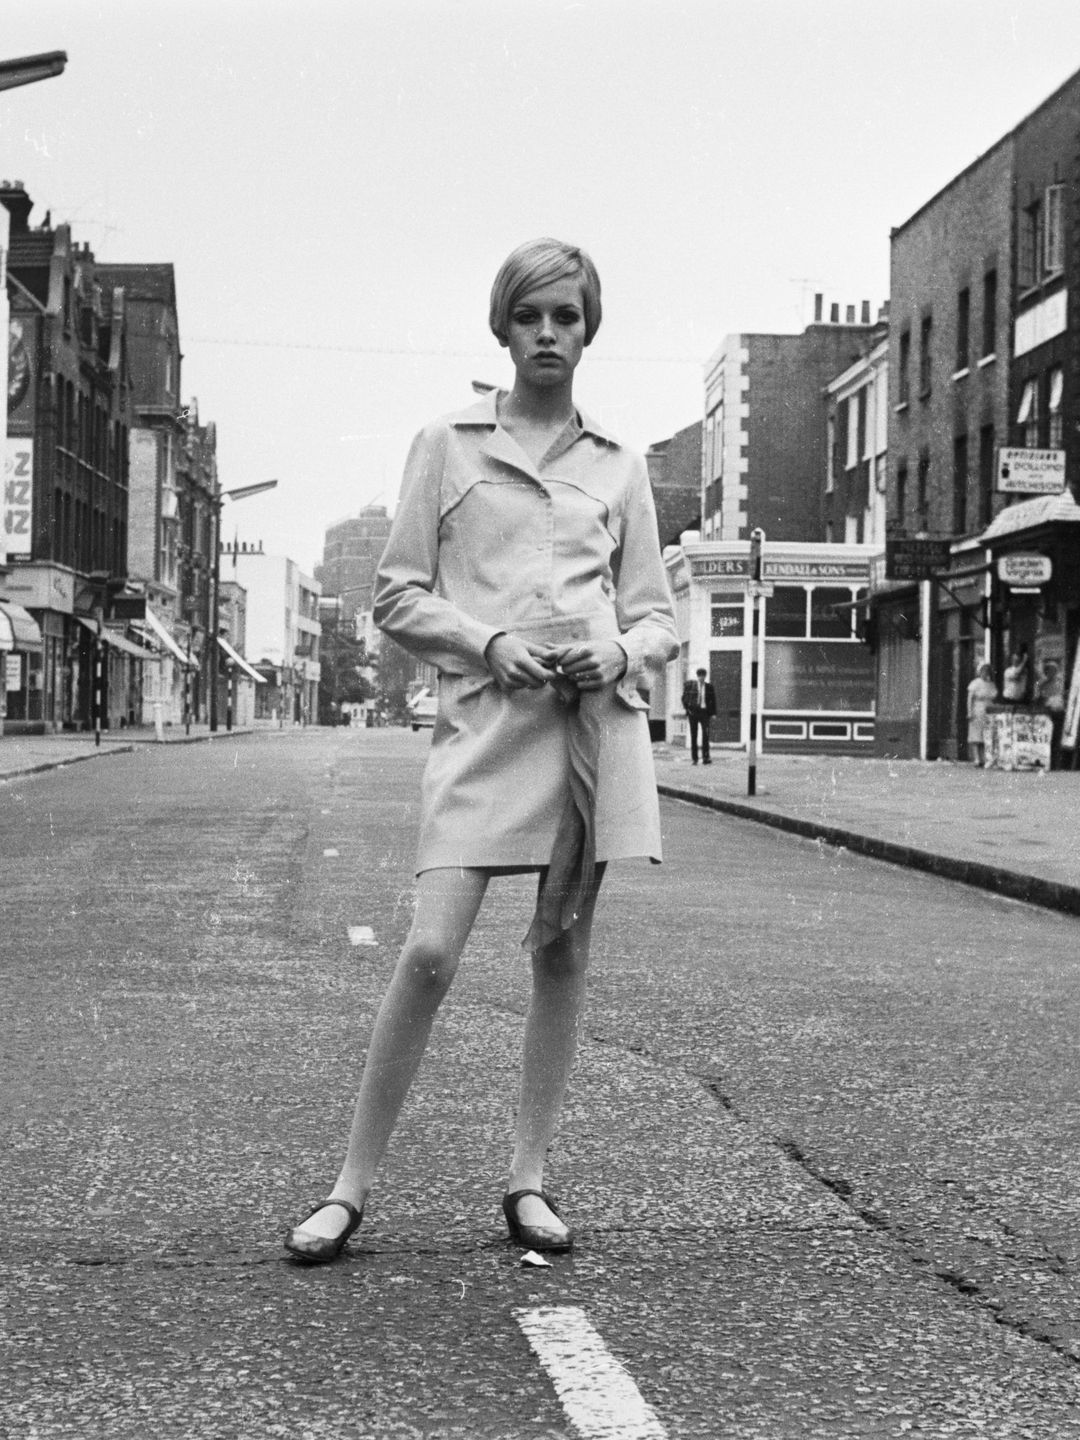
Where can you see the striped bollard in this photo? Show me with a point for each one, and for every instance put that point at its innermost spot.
(757, 539)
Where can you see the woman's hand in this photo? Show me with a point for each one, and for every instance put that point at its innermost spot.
(593, 664)
(518, 664)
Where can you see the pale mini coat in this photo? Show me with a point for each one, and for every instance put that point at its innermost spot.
(485, 542)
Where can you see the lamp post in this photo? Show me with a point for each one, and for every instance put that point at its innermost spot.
(241, 492)
(29, 68)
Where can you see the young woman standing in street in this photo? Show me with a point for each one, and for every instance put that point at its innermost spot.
(524, 564)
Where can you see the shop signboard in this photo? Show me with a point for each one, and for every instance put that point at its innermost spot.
(1024, 570)
(915, 557)
(18, 494)
(13, 671)
(1030, 472)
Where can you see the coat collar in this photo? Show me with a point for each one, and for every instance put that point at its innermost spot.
(484, 414)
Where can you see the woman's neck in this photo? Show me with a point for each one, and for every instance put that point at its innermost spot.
(545, 408)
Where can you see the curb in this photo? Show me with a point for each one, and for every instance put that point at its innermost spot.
(115, 749)
(6, 775)
(1050, 894)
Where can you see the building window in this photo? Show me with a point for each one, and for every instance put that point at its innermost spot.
(1029, 245)
(963, 328)
(986, 473)
(827, 620)
(1054, 231)
(851, 413)
(785, 612)
(830, 453)
(925, 336)
(904, 368)
(1027, 417)
(728, 616)
(989, 315)
(960, 484)
(922, 491)
(1055, 434)
(901, 494)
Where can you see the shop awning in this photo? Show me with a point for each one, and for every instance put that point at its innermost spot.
(162, 636)
(117, 641)
(18, 628)
(238, 659)
(1031, 514)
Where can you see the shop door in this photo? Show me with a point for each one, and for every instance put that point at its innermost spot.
(726, 676)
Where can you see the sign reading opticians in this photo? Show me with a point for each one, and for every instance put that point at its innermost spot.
(1030, 472)
(1025, 571)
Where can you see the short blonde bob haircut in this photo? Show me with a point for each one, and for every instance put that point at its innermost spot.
(538, 263)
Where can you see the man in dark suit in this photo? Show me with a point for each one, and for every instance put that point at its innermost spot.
(699, 702)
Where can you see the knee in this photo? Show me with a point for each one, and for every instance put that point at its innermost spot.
(427, 967)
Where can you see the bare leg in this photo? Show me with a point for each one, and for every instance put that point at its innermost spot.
(552, 1028)
(447, 902)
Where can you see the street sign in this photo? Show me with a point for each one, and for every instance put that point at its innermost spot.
(1030, 472)
(915, 558)
(1024, 571)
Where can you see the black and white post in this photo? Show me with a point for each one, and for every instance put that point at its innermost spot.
(757, 597)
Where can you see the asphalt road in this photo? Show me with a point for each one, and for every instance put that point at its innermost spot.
(820, 1150)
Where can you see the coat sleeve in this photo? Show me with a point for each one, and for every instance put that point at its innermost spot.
(642, 594)
(405, 604)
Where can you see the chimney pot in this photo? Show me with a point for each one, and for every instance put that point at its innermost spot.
(850, 312)
(819, 301)
(834, 314)
(866, 312)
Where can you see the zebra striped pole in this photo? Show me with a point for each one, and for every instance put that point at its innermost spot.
(757, 538)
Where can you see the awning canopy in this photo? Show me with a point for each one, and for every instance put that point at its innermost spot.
(238, 659)
(18, 628)
(164, 639)
(1031, 514)
(116, 640)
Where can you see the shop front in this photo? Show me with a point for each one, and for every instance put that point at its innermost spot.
(1033, 550)
(816, 676)
(21, 652)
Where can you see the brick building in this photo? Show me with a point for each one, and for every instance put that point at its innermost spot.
(675, 477)
(764, 442)
(984, 363)
(69, 415)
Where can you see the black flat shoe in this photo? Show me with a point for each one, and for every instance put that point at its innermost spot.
(534, 1237)
(319, 1250)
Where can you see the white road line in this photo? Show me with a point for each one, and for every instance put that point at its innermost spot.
(361, 935)
(331, 854)
(600, 1399)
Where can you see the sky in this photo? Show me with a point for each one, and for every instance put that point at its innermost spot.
(337, 181)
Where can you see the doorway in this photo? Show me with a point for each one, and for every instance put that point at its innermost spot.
(725, 667)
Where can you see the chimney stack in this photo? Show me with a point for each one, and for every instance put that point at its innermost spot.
(14, 198)
(865, 313)
(819, 301)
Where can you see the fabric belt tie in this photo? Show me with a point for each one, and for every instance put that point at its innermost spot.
(568, 881)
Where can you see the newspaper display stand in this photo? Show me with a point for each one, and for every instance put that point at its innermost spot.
(1017, 738)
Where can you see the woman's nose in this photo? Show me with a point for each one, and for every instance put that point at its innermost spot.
(545, 330)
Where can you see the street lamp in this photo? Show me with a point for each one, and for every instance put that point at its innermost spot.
(30, 68)
(241, 492)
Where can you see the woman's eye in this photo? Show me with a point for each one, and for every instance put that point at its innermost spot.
(568, 317)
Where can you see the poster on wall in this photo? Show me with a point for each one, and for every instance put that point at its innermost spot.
(1018, 740)
(18, 494)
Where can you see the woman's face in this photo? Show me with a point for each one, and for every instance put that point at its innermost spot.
(545, 333)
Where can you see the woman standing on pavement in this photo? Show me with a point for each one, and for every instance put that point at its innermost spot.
(980, 693)
(524, 564)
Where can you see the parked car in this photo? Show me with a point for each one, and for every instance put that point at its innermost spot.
(422, 708)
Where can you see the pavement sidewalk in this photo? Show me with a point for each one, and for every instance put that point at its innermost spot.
(1011, 832)
(29, 754)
